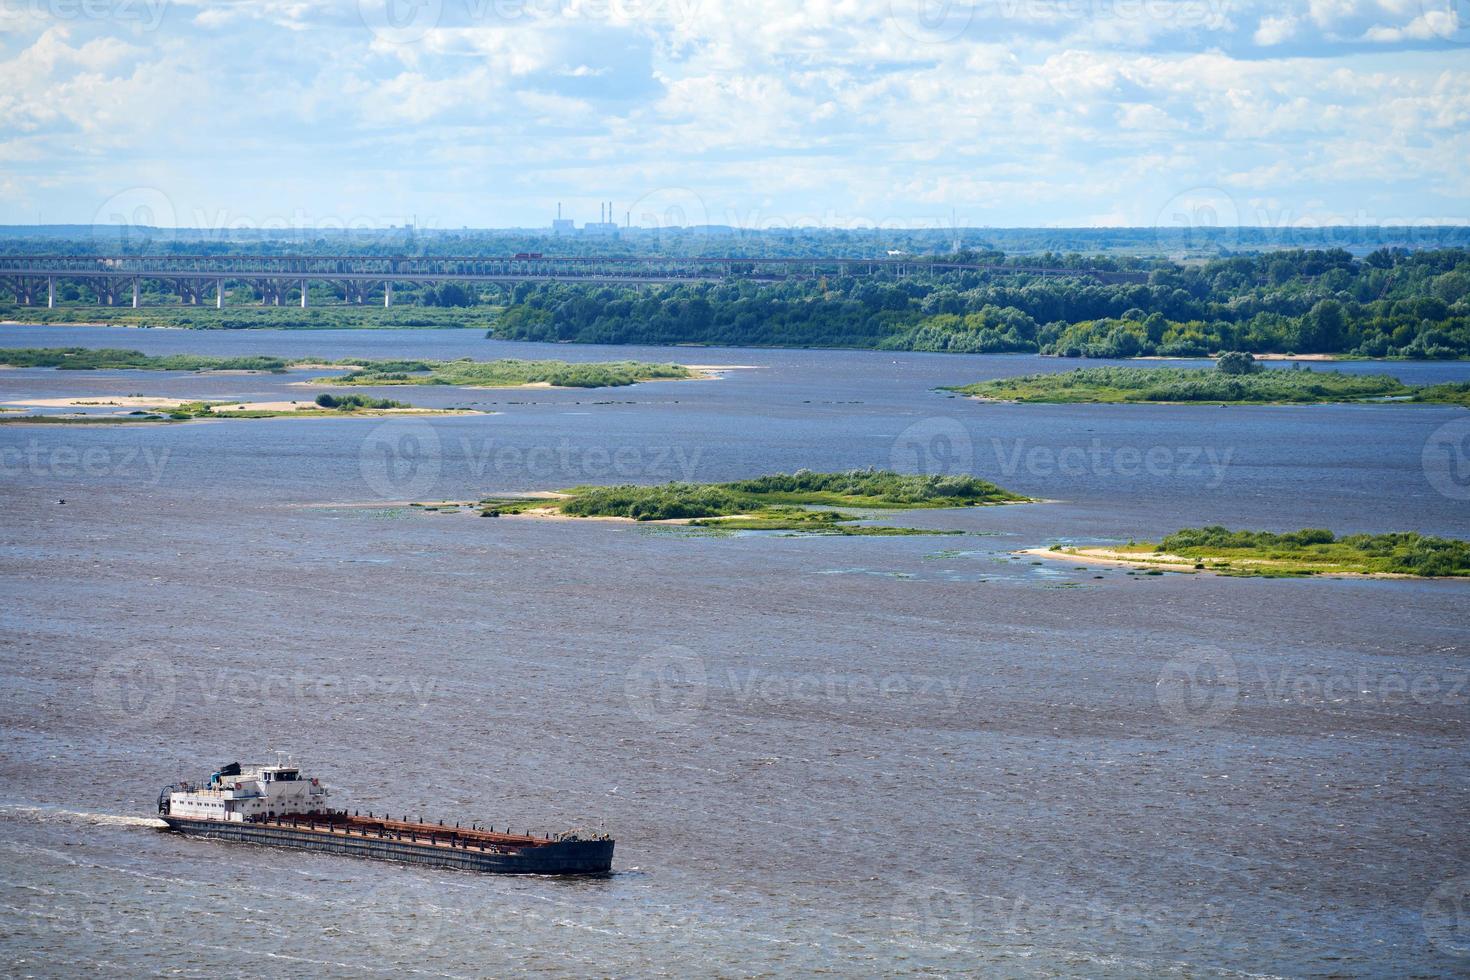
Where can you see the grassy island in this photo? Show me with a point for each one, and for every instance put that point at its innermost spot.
(798, 502)
(1453, 393)
(1237, 379)
(468, 373)
(115, 359)
(1129, 384)
(463, 372)
(141, 409)
(1313, 551)
(163, 410)
(189, 411)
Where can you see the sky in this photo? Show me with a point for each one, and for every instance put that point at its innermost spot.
(828, 113)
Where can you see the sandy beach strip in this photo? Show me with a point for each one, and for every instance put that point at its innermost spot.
(1115, 559)
(1259, 357)
(155, 403)
(542, 385)
(311, 406)
(1310, 357)
(1177, 563)
(699, 372)
(714, 372)
(105, 401)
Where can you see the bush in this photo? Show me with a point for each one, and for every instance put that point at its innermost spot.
(1237, 362)
(690, 500)
(354, 403)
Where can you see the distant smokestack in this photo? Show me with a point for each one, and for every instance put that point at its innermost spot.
(558, 210)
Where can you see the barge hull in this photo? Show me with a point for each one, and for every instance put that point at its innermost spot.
(592, 857)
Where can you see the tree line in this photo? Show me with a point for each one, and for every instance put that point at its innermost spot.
(1391, 303)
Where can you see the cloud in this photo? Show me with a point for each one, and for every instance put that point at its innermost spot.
(1007, 112)
(1274, 30)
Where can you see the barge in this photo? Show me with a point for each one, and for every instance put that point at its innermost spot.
(275, 805)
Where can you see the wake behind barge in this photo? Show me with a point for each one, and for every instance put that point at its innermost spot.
(275, 805)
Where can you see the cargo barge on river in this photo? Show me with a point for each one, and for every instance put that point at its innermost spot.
(275, 805)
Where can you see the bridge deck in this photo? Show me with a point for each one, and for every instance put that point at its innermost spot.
(595, 269)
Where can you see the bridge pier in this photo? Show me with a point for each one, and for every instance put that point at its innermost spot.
(387, 294)
(135, 292)
(50, 292)
(303, 294)
(219, 294)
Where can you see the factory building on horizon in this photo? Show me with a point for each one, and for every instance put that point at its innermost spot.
(605, 227)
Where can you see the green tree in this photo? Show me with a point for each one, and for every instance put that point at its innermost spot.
(1237, 362)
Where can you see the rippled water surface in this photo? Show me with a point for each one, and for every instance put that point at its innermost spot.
(858, 755)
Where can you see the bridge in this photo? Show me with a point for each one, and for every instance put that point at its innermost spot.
(277, 278)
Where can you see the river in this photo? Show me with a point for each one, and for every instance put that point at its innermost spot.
(862, 755)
